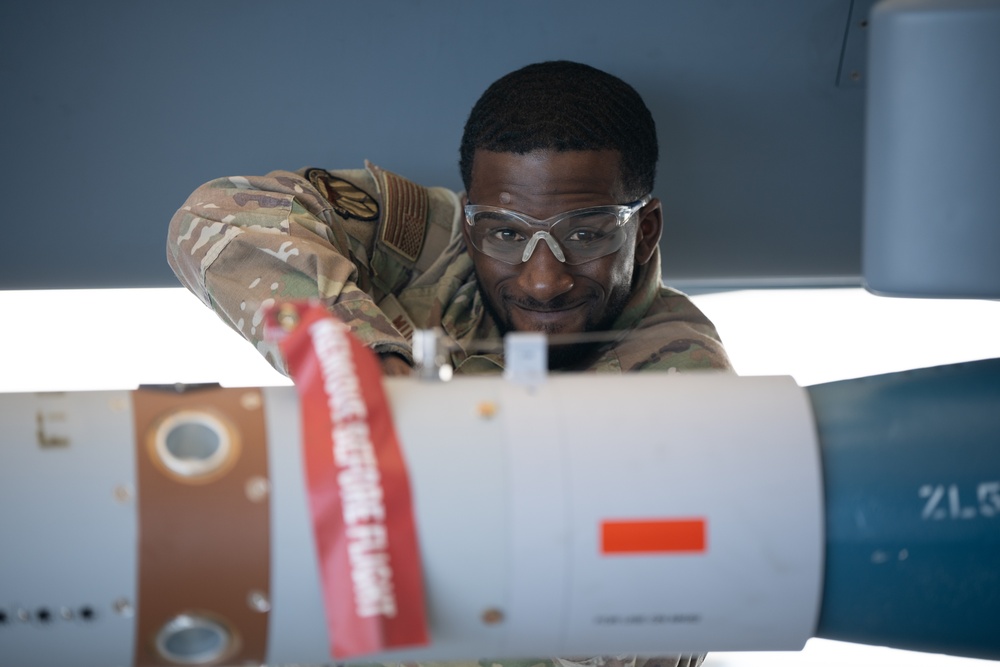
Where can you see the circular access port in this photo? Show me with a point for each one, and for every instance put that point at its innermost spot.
(190, 639)
(194, 446)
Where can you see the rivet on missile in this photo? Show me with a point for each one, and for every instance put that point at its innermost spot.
(492, 616)
(258, 602)
(123, 608)
(123, 493)
(250, 400)
(486, 409)
(257, 489)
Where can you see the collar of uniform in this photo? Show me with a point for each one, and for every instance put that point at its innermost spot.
(478, 337)
(646, 290)
(480, 364)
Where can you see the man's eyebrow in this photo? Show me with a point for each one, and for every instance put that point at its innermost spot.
(493, 215)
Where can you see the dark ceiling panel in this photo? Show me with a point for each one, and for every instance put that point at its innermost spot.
(114, 111)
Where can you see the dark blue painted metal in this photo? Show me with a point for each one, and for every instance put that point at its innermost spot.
(911, 465)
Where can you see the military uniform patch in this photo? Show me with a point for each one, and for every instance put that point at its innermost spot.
(347, 199)
(406, 209)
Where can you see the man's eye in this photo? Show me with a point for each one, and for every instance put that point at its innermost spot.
(585, 236)
(506, 235)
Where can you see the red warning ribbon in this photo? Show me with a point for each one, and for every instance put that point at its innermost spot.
(359, 490)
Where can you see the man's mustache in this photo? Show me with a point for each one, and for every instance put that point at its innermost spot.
(561, 302)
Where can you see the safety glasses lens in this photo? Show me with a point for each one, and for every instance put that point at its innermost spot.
(584, 236)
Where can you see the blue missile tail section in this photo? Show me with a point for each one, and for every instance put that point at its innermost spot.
(911, 466)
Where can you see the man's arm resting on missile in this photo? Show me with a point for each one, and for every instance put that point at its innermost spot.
(243, 243)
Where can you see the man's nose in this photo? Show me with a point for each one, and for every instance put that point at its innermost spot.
(543, 277)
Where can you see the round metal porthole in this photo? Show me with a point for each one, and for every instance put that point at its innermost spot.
(194, 446)
(190, 639)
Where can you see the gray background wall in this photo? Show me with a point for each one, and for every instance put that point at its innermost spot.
(113, 111)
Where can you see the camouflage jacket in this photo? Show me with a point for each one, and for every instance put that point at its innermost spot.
(386, 255)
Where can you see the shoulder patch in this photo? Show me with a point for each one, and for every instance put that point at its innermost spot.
(406, 207)
(347, 199)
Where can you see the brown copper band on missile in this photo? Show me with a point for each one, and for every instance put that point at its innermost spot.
(204, 527)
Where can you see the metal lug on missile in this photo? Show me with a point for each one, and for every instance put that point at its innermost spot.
(430, 355)
(526, 358)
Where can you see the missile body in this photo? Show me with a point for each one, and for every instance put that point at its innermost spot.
(587, 515)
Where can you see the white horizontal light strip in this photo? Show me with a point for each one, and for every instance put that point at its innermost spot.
(73, 340)
(823, 335)
(68, 340)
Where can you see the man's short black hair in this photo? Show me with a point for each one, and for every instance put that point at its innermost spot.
(564, 106)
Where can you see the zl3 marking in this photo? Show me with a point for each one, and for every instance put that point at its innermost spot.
(945, 502)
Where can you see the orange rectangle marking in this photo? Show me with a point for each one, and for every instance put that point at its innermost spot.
(650, 536)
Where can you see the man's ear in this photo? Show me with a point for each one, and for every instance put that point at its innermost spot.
(649, 230)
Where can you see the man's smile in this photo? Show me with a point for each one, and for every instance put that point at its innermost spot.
(561, 308)
(549, 319)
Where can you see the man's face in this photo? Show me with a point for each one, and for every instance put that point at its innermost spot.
(544, 294)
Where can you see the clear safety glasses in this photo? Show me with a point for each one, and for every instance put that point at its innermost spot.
(574, 237)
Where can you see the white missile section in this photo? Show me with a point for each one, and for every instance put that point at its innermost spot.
(586, 515)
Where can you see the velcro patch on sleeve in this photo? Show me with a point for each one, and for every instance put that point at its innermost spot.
(347, 199)
(405, 208)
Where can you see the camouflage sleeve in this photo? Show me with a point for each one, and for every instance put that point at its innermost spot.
(241, 243)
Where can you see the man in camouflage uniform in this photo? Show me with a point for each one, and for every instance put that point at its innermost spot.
(386, 255)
